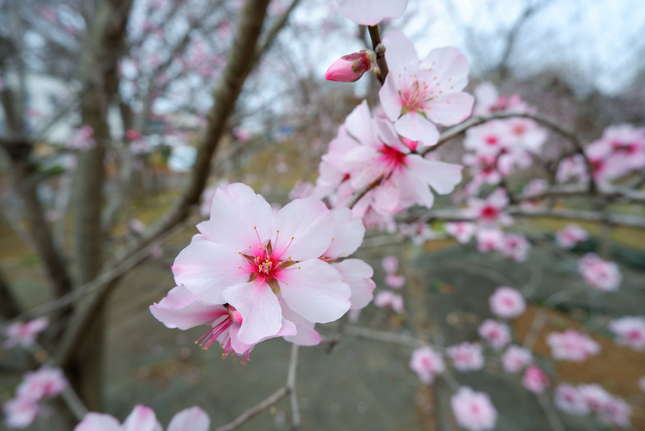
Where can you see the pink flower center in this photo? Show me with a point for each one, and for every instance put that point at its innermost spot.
(491, 140)
(415, 97)
(489, 212)
(392, 158)
(519, 129)
(634, 335)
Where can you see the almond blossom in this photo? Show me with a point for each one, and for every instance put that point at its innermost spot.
(389, 299)
(143, 418)
(607, 407)
(474, 411)
(461, 231)
(571, 345)
(466, 356)
(395, 281)
(371, 12)
(490, 211)
(515, 246)
(265, 264)
(515, 358)
(535, 380)
(82, 139)
(380, 156)
(629, 331)
(599, 273)
(570, 235)
(350, 67)
(390, 264)
(23, 334)
(507, 302)
(497, 334)
(420, 92)
(20, 413)
(489, 239)
(427, 364)
(569, 399)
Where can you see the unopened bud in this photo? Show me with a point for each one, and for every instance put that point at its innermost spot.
(350, 67)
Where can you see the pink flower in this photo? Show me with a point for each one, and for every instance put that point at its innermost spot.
(390, 264)
(570, 235)
(133, 135)
(82, 139)
(389, 299)
(418, 93)
(535, 380)
(461, 231)
(490, 211)
(350, 67)
(43, 383)
(609, 409)
(629, 331)
(489, 101)
(143, 418)
(466, 356)
(24, 334)
(20, 413)
(569, 399)
(265, 263)
(571, 345)
(507, 302)
(515, 246)
(371, 12)
(489, 239)
(515, 358)
(572, 168)
(427, 364)
(599, 273)
(641, 384)
(495, 333)
(473, 410)
(395, 281)
(405, 176)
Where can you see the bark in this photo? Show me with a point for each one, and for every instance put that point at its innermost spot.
(99, 72)
(9, 307)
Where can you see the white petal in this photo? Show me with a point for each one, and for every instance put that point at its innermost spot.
(259, 308)
(142, 418)
(192, 419)
(304, 229)
(348, 233)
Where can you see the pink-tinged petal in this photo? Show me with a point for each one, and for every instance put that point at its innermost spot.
(304, 229)
(192, 419)
(400, 53)
(449, 109)
(142, 418)
(348, 234)
(371, 12)
(441, 176)
(414, 188)
(389, 97)
(449, 67)
(359, 125)
(315, 290)
(358, 275)
(306, 334)
(181, 309)
(38, 325)
(98, 422)
(416, 128)
(207, 268)
(387, 198)
(260, 310)
(239, 217)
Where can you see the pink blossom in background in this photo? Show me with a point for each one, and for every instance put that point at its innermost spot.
(607, 407)
(43, 383)
(350, 67)
(206, 201)
(389, 299)
(419, 233)
(515, 246)
(427, 363)
(301, 190)
(24, 334)
(515, 358)
(489, 101)
(569, 399)
(497, 334)
(390, 264)
(599, 273)
(466, 356)
(535, 380)
(143, 418)
(572, 169)
(461, 231)
(489, 239)
(507, 302)
(571, 345)
(490, 211)
(629, 331)
(474, 411)
(241, 134)
(570, 235)
(395, 281)
(265, 263)
(371, 12)
(20, 413)
(531, 193)
(406, 178)
(82, 139)
(418, 93)
(619, 151)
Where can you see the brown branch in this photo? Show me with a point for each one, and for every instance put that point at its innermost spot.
(249, 414)
(9, 307)
(379, 49)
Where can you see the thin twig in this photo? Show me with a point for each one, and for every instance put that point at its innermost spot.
(291, 387)
(255, 410)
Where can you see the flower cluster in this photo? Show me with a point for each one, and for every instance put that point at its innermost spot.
(629, 331)
(507, 302)
(36, 386)
(571, 345)
(254, 273)
(593, 399)
(143, 418)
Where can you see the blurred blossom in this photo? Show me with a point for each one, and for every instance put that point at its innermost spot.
(390, 264)
(507, 302)
(461, 231)
(535, 380)
(599, 273)
(389, 299)
(395, 281)
(629, 331)
(497, 334)
(571, 235)
(569, 399)
(515, 358)
(474, 411)
(571, 345)
(466, 356)
(427, 363)
(24, 334)
(143, 418)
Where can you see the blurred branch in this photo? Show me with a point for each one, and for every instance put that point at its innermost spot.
(291, 387)
(9, 307)
(249, 414)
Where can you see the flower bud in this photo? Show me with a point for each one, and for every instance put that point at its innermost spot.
(350, 67)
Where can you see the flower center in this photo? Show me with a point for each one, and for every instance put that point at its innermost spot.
(415, 97)
(393, 158)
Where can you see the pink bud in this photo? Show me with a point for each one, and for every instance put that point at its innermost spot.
(350, 67)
